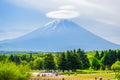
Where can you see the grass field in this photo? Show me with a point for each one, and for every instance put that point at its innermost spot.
(105, 76)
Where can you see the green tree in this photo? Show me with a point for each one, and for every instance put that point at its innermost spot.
(49, 62)
(23, 57)
(38, 63)
(73, 60)
(118, 55)
(15, 58)
(62, 62)
(76, 62)
(84, 59)
(95, 64)
(109, 58)
(3, 57)
(69, 60)
(30, 57)
(97, 55)
(101, 55)
(31, 64)
(11, 58)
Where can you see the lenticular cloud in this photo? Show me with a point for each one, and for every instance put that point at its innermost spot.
(63, 13)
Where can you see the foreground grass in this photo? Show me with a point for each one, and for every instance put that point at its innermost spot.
(105, 76)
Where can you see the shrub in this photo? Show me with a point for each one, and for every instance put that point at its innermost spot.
(11, 71)
(116, 68)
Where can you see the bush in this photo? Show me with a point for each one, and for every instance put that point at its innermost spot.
(116, 68)
(11, 71)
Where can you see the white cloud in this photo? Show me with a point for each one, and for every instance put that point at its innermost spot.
(94, 9)
(51, 4)
(64, 12)
(109, 22)
(113, 39)
(68, 7)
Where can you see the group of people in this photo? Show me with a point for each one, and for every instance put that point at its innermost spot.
(48, 74)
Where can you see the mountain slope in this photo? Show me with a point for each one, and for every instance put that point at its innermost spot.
(58, 35)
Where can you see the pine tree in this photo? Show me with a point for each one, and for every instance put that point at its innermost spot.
(49, 62)
(101, 55)
(76, 62)
(63, 62)
(109, 58)
(83, 57)
(69, 64)
(97, 55)
(11, 58)
(118, 55)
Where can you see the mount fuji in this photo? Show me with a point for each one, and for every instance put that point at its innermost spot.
(58, 35)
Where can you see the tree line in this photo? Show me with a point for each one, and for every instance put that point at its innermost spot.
(70, 60)
(105, 59)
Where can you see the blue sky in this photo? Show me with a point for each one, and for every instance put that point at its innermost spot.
(19, 17)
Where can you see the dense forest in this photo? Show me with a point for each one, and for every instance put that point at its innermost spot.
(70, 60)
